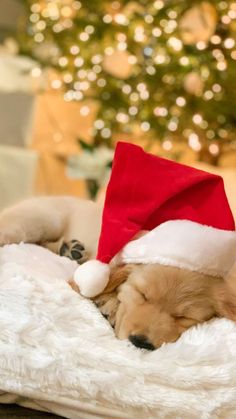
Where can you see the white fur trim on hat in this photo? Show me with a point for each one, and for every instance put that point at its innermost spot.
(92, 278)
(184, 244)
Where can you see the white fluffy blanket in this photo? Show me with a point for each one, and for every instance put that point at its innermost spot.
(57, 352)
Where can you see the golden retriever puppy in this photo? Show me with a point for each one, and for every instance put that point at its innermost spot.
(153, 304)
(147, 304)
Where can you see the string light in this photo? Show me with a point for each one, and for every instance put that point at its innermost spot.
(197, 119)
(56, 84)
(175, 43)
(160, 111)
(226, 19)
(92, 76)
(106, 132)
(89, 29)
(84, 110)
(34, 17)
(68, 78)
(134, 97)
(160, 59)
(63, 61)
(208, 95)
(122, 117)
(101, 82)
(126, 89)
(216, 39)
(139, 35)
(181, 101)
(156, 32)
(149, 19)
(99, 124)
(214, 149)
(96, 59)
(210, 134)
(201, 45)
(133, 110)
(151, 70)
(222, 65)
(39, 37)
(159, 4)
(35, 8)
(36, 72)
(194, 142)
(184, 60)
(233, 55)
(216, 88)
(121, 19)
(229, 43)
(167, 145)
(40, 25)
(107, 18)
(173, 125)
(84, 36)
(145, 126)
(74, 49)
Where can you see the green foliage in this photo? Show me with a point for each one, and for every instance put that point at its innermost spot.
(85, 146)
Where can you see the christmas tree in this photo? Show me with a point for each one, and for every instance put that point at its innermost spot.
(163, 68)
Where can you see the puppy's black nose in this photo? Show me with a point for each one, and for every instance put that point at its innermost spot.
(141, 341)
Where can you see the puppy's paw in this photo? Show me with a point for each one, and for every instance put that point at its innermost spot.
(74, 250)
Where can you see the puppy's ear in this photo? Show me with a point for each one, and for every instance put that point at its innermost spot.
(119, 274)
(225, 300)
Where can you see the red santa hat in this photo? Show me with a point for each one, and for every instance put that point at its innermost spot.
(185, 210)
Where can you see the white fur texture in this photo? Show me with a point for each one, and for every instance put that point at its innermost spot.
(58, 353)
(184, 244)
(92, 278)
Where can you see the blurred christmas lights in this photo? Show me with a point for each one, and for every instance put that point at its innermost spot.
(153, 65)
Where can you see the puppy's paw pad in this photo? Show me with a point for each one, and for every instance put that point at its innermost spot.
(74, 250)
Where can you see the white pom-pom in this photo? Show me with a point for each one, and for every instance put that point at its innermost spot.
(92, 277)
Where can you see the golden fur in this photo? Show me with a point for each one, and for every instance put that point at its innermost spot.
(153, 304)
(148, 304)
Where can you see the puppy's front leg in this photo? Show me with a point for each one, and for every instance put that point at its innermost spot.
(36, 220)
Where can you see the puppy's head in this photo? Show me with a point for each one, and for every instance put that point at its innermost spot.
(158, 303)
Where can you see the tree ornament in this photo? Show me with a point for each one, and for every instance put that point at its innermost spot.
(193, 84)
(117, 64)
(198, 24)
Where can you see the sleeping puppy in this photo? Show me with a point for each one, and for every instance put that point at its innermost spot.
(148, 304)
(154, 304)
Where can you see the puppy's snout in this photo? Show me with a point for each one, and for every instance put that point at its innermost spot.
(142, 342)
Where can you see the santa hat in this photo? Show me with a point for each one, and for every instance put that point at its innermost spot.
(185, 210)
